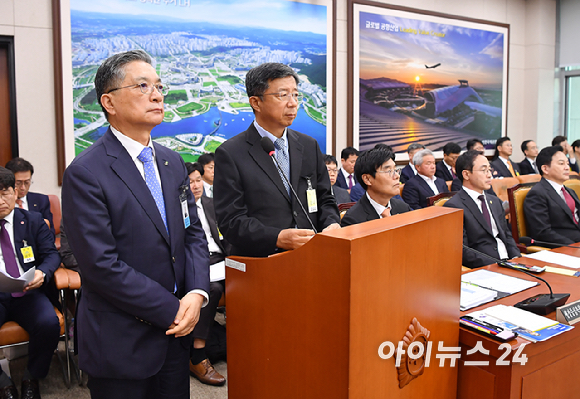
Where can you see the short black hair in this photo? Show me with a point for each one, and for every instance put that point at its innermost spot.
(258, 79)
(193, 166)
(545, 156)
(575, 144)
(20, 165)
(384, 147)
(328, 159)
(347, 152)
(525, 145)
(498, 143)
(558, 140)
(415, 146)
(206, 158)
(451, 148)
(7, 178)
(465, 162)
(369, 162)
(471, 143)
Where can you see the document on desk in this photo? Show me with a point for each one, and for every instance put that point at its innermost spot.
(473, 295)
(519, 317)
(11, 284)
(502, 283)
(554, 257)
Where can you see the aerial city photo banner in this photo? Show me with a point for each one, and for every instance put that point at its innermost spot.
(425, 77)
(203, 50)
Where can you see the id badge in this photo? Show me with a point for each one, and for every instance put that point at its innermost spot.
(27, 254)
(311, 198)
(184, 210)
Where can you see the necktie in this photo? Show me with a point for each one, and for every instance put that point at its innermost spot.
(211, 191)
(8, 255)
(511, 168)
(386, 212)
(19, 202)
(283, 161)
(153, 184)
(535, 167)
(485, 211)
(349, 182)
(453, 174)
(570, 202)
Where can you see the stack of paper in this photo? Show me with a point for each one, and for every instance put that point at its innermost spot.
(472, 296)
(554, 257)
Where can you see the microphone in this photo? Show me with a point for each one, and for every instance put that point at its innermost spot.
(268, 146)
(541, 304)
(527, 241)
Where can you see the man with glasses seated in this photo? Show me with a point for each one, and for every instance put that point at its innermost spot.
(256, 210)
(340, 194)
(375, 171)
(484, 225)
(33, 202)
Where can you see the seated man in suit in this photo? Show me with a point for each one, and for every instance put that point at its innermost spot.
(425, 184)
(551, 209)
(475, 144)
(501, 164)
(26, 241)
(199, 366)
(341, 195)
(34, 202)
(568, 151)
(375, 170)
(528, 165)
(346, 178)
(409, 171)
(445, 169)
(207, 162)
(484, 224)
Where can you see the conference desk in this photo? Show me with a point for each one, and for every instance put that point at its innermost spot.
(552, 365)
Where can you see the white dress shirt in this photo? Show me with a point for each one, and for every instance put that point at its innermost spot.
(378, 207)
(431, 182)
(9, 226)
(558, 188)
(211, 244)
(264, 133)
(208, 188)
(533, 163)
(501, 248)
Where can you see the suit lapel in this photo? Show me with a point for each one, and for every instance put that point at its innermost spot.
(263, 160)
(368, 208)
(557, 199)
(125, 168)
(296, 150)
(474, 209)
(209, 211)
(168, 195)
(426, 187)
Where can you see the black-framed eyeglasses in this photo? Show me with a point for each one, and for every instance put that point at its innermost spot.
(146, 88)
(285, 96)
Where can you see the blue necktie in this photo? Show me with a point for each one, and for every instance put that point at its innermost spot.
(283, 161)
(146, 157)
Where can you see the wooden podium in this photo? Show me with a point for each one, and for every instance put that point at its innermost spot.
(308, 323)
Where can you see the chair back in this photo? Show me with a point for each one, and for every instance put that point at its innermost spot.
(574, 184)
(500, 186)
(56, 212)
(516, 196)
(342, 208)
(401, 189)
(441, 198)
(529, 178)
(449, 183)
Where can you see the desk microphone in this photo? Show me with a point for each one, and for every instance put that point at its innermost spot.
(527, 241)
(541, 304)
(268, 146)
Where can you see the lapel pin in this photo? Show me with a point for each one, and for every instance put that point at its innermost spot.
(22, 222)
(166, 163)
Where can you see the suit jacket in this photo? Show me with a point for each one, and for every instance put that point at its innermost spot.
(341, 195)
(416, 191)
(30, 227)
(341, 181)
(209, 211)
(548, 217)
(252, 204)
(442, 172)
(526, 167)
(129, 262)
(477, 234)
(574, 166)
(363, 211)
(500, 170)
(407, 174)
(40, 203)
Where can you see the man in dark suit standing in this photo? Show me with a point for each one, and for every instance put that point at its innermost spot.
(417, 190)
(33, 202)
(501, 164)
(484, 224)
(26, 242)
(409, 171)
(132, 224)
(256, 211)
(340, 194)
(346, 178)
(445, 169)
(551, 209)
(528, 165)
(376, 173)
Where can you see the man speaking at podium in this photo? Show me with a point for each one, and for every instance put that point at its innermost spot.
(256, 209)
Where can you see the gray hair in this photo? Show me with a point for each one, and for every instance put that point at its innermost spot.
(258, 78)
(418, 157)
(112, 72)
(415, 146)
